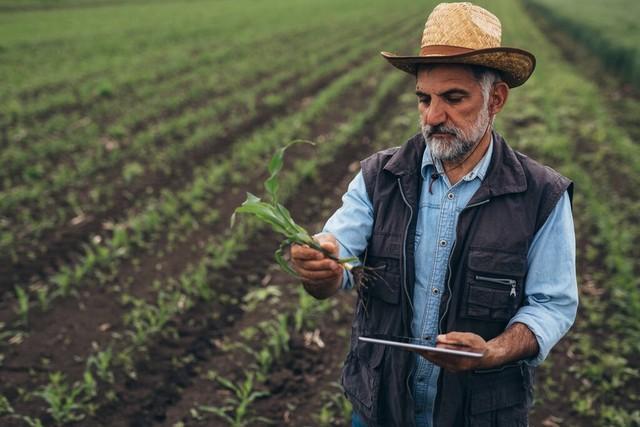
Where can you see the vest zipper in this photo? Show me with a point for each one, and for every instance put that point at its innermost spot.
(446, 309)
(404, 247)
(500, 281)
(404, 269)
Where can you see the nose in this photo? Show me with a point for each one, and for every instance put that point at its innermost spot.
(434, 114)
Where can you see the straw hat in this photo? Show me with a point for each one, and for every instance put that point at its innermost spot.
(463, 33)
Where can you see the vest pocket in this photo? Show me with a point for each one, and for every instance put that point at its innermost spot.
(383, 259)
(497, 398)
(494, 285)
(383, 282)
(361, 377)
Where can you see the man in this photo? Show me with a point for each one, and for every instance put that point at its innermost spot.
(472, 244)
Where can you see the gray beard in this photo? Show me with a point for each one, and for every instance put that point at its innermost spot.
(456, 149)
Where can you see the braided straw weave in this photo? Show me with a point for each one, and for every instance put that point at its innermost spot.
(463, 33)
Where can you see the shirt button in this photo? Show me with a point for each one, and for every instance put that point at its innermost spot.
(427, 338)
(421, 379)
(435, 291)
(451, 196)
(443, 243)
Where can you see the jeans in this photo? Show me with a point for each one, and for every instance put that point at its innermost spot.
(356, 421)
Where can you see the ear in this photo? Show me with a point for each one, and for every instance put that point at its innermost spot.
(498, 97)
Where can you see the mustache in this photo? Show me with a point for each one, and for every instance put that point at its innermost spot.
(429, 130)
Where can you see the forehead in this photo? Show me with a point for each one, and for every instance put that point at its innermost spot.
(444, 77)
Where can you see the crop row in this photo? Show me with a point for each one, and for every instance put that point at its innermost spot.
(134, 179)
(104, 100)
(172, 209)
(253, 353)
(147, 318)
(609, 31)
(111, 122)
(82, 46)
(169, 117)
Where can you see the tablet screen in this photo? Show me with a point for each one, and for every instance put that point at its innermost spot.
(415, 344)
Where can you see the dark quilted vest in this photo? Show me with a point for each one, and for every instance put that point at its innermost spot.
(493, 236)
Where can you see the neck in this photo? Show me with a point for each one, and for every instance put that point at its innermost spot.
(455, 171)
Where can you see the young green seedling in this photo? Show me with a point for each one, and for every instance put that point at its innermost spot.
(280, 220)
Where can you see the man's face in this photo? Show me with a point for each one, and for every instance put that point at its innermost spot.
(453, 113)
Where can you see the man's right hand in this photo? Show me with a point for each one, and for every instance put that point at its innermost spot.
(321, 276)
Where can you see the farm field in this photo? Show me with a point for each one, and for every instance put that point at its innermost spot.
(129, 132)
(607, 29)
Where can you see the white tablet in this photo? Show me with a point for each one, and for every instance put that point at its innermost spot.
(416, 344)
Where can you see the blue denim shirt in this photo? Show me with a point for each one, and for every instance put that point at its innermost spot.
(550, 288)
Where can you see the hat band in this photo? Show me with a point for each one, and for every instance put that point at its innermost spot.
(443, 50)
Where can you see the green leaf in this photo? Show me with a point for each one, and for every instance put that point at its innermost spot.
(275, 165)
(267, 214)
(228, 384)
(283, 262)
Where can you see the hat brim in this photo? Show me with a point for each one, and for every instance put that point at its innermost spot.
(515, 65)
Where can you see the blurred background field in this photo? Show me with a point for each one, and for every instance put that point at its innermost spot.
(130, 130)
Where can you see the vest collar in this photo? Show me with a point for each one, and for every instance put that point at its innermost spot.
(408, 158)
(504, 176)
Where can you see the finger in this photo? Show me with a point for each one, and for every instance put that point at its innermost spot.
(317, 275)
(458, 338)
(305, 253)
(317, 265)
(330, 247)
(437, 359)
(448, 362)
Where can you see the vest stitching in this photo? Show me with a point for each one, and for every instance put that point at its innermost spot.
(446, 308)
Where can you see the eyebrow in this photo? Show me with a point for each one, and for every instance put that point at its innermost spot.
(449, 92)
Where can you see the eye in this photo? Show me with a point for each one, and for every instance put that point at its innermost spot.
(424, 100)
(454, 99)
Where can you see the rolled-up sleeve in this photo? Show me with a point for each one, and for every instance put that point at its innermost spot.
(351, 224)
(551, 292)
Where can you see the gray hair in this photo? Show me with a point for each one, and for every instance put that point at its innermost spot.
(486, 78)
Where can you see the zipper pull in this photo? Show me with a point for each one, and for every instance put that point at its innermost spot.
(513, 290)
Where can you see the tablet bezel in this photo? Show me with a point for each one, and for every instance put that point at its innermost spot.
(423, 347)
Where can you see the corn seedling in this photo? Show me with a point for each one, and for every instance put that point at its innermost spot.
(6, 410)
(280, 220)
(23, 304)
(277, 335)
(260, 295)
(263, 360)
(102, 362)
(306, 308)
(337, 410)
(238, 405)
(44, 299)
(67, 403)
(5, 406)
(31, 422)
(149, 319)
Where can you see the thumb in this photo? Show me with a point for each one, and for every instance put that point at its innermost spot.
(327, 242)
(329, 247)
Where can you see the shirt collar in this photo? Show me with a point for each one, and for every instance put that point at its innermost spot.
(479, 170)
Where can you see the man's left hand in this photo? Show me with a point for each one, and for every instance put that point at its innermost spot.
(465, 341)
